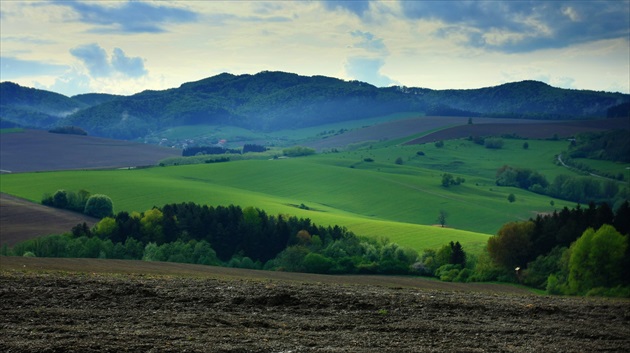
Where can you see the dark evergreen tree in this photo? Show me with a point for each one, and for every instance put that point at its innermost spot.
(458, 256)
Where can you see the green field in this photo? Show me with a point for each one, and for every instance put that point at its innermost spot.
(378, 199)
(609, 167)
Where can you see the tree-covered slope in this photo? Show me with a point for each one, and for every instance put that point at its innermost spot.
(34, 107)
(266, 101)
(270, 101)
(530, 99)
(30, 107)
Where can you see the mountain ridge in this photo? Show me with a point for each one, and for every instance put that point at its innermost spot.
(274, 100)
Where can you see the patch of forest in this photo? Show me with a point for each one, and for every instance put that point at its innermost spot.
(574, 251)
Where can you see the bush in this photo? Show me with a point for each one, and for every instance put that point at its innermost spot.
(317, 263)
(493, 143)
(298, 151)
(99, 206)
(553, 286)
(448, 273)
(60, 199)
(616, 292)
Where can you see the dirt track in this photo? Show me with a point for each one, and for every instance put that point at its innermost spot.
(89, 312)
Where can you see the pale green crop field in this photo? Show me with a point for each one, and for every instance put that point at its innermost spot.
(376, 199)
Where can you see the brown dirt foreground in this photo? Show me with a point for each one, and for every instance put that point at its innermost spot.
(179, 308)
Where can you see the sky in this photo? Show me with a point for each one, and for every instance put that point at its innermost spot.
(125, 47)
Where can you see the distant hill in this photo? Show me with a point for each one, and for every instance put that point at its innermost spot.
(270, 101)
(31, 107)
(22, 106)
(528, 99)
(90, 99)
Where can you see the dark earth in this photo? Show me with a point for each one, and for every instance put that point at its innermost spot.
(230, 311)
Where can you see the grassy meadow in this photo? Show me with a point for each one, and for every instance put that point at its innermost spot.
(379, 198)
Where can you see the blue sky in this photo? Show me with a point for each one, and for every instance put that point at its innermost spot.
(125, 47)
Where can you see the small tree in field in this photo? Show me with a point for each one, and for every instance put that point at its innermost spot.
(511, 198)
(99, 206)
(442, 218)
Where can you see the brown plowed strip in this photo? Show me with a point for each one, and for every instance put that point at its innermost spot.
(202, 271)
(21, 219)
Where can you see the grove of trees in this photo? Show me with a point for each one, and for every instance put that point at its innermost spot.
(98, 205)
(580, 189)
(579, 251)
(232, 236)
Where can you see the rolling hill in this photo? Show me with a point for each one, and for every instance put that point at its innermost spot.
(272, 101)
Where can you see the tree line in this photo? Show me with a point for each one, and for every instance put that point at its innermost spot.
(202, 150)
(580, 189)
(97, 205)
(226, 235)
(579, 251)
(573, 251)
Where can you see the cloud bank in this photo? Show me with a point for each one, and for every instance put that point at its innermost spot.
(524, 26)
(99, 64)
(129, 17)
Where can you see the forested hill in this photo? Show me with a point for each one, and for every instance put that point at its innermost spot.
(530, 99)
(276, 100)
(31, 107)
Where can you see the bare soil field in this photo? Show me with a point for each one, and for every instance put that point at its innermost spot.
(91, 307)
(445, 128)
(532, 129)
(38, 150)
(21, 220)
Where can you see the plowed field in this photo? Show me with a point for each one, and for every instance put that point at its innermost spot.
(52, 311)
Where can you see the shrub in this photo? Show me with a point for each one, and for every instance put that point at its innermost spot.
(317, 263)
(493, 143)
(99, 206)
(298, 151)
(60, 199)
(439, 144)
(553, 287)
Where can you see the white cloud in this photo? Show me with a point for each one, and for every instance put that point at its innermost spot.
(422, 44)
(368, 70)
